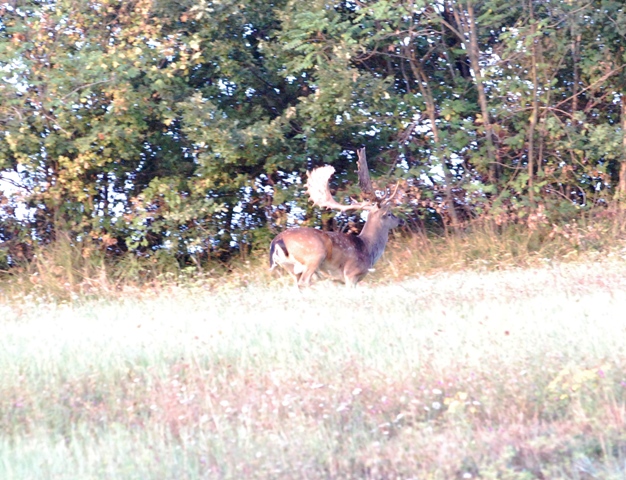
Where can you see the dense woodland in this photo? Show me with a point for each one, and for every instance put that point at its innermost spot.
(184, 128)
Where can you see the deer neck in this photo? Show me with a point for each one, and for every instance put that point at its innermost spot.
(375, 237)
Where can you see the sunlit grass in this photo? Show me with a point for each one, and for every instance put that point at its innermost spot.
(502, 374)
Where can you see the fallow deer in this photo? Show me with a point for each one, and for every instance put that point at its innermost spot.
(344, 257)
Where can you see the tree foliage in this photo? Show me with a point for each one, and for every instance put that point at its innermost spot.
(184, 128)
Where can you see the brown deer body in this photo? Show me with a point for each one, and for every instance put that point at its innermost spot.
(344, 257)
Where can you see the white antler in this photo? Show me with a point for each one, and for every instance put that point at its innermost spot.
(318, 191)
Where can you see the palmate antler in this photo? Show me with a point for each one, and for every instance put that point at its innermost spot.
(319, 192)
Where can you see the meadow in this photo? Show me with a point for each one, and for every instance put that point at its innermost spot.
(517, 373)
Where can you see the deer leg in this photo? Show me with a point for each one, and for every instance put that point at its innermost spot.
(305, 278)
(293, 271)
(300, 273)
(352, 276)
(311, 268)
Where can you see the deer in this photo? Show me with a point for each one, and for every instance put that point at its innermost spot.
(304, 251)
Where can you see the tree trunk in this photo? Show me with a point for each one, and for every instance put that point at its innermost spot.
(532, 127)
(474, 56)
(575, 68)
(431, 112)
(621, 186)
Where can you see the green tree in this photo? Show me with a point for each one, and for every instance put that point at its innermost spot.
(86, 111)
(185, 129)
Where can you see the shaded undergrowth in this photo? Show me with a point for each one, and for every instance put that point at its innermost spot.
(66, 271)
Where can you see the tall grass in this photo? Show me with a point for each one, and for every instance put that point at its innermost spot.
(487, 245)
(501, 374)
(65, 270)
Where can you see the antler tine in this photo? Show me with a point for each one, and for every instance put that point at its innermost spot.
(319, 193)
(393, 194)
(365, 183)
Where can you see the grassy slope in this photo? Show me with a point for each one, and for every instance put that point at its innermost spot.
(510, 374)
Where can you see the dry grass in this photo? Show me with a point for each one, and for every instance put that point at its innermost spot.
(64, 271)
(514, 373)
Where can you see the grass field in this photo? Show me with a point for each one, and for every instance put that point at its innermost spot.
(514, 374)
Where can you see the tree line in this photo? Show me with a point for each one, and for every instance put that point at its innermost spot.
(185, 128)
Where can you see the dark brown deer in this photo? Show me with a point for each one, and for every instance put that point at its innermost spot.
(344, 257)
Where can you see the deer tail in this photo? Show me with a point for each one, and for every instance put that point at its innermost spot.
(280, 244)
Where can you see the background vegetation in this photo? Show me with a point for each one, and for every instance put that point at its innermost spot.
(180, 131)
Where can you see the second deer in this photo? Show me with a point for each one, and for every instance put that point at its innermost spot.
(344, 257)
